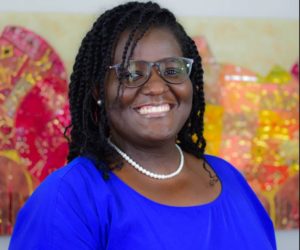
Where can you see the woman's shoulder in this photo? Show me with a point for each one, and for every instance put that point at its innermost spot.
(75, 168)
(222, 166)
(230, 176)
(75, 173)
(78, 177)
(69, 199)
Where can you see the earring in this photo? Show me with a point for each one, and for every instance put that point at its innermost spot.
(99, 102)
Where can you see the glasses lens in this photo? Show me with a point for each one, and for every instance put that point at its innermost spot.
(136, 74)
(175, 70)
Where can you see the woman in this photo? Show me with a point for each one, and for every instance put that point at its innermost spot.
(137, 176)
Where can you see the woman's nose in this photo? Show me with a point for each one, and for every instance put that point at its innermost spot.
(155, 84)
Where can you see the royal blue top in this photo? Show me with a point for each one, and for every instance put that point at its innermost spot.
(74, 208)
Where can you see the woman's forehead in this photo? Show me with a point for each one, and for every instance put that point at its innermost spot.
(156, 43)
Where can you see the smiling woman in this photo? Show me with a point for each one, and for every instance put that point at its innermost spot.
(151, 107)
(137, 178)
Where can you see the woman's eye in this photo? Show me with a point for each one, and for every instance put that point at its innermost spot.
(172, 72)
(133, 76)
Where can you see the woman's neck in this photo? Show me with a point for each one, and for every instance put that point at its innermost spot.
(160, 156)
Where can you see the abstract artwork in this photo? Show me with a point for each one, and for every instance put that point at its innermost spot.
(33, 114)
(252, 121)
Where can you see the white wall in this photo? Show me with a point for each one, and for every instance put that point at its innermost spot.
(228, 8)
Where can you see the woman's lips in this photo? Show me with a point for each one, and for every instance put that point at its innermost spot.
(154, 110)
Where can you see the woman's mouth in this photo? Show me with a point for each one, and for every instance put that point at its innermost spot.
(154, 110)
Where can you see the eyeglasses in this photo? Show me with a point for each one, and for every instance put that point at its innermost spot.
(174, 70)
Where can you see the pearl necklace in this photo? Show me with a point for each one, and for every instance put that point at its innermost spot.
(145, 171)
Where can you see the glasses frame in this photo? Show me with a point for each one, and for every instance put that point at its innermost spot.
(150, 65)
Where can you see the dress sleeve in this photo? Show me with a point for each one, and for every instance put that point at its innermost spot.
(55, 217)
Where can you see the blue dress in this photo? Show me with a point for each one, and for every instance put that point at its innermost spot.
(74, 208)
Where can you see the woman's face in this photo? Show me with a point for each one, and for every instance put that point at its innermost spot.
(155, 111)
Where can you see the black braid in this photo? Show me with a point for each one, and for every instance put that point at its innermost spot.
(89, 125)
(142, 33)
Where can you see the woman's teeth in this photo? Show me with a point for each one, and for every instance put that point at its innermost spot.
(145, 110)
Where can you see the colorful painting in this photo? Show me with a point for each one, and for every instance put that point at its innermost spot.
(34, 112)
(252, 121)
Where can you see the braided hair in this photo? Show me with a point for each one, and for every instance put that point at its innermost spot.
(89, 121)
